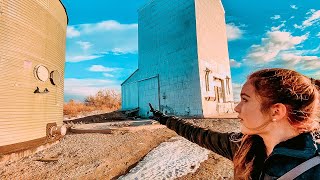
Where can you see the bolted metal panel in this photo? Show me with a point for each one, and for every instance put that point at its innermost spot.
(32, 34)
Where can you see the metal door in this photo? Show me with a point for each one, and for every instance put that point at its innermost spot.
(148, 93)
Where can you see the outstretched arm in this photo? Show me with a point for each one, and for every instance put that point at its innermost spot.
(220, 143)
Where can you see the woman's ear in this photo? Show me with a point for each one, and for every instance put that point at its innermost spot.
(278, 111)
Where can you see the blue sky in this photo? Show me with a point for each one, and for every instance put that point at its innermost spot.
(102, 41)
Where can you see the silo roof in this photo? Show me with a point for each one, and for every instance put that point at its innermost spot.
(65, 10)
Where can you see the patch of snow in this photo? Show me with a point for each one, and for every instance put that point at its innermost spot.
(169, 160)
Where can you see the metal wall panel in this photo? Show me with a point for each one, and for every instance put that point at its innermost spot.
(168, 47)
(129, 95)
(32, 33)
(213, 56)
(148, 93)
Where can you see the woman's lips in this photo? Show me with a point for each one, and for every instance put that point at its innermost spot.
(240, 119)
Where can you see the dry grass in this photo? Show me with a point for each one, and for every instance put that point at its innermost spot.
(103, 101)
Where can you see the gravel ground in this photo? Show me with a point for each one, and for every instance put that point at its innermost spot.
(107, 156)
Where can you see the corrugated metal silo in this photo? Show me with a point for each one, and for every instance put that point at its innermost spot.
(32, 57)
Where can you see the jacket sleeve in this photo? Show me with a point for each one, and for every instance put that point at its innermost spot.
(220, 143)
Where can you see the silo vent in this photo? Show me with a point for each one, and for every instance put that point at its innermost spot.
(41, 73)
(55, 78)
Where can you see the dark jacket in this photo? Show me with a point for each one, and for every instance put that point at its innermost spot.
(284, 157)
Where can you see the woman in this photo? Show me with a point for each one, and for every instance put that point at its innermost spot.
(277, 114)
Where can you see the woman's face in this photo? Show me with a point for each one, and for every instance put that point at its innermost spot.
(252, 120)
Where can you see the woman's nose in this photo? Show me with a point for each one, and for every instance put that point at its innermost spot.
(237, 108)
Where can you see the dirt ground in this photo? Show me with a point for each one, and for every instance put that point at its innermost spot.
(107, 156)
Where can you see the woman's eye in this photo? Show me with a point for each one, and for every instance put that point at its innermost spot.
(244, 100)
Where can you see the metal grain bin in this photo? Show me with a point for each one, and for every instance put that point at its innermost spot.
(32, 58)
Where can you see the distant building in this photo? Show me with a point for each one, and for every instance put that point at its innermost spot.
(183, 64)
(32, 58)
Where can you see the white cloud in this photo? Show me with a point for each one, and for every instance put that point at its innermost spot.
(301, 61)
(106, 36)
(236, 91)
(297, 26)
(285, 38)
(72, 32)
(108, 75)
(275, 17)
(318, 35)
(119, 51)
(84, 87)
(309, 51)
(297, 58)
(310, 11)
(277, 28)
(315, 75)
(293, 6)
(100, 68)
(273, 44)
(84, 45)
(314, 17)
(82, 58)
(109, 25)
(233, 32)
(311, 65)
(234, 63)
(291, 17)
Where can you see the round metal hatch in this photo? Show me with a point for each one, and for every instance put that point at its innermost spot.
(41, 73)
(55, 78)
